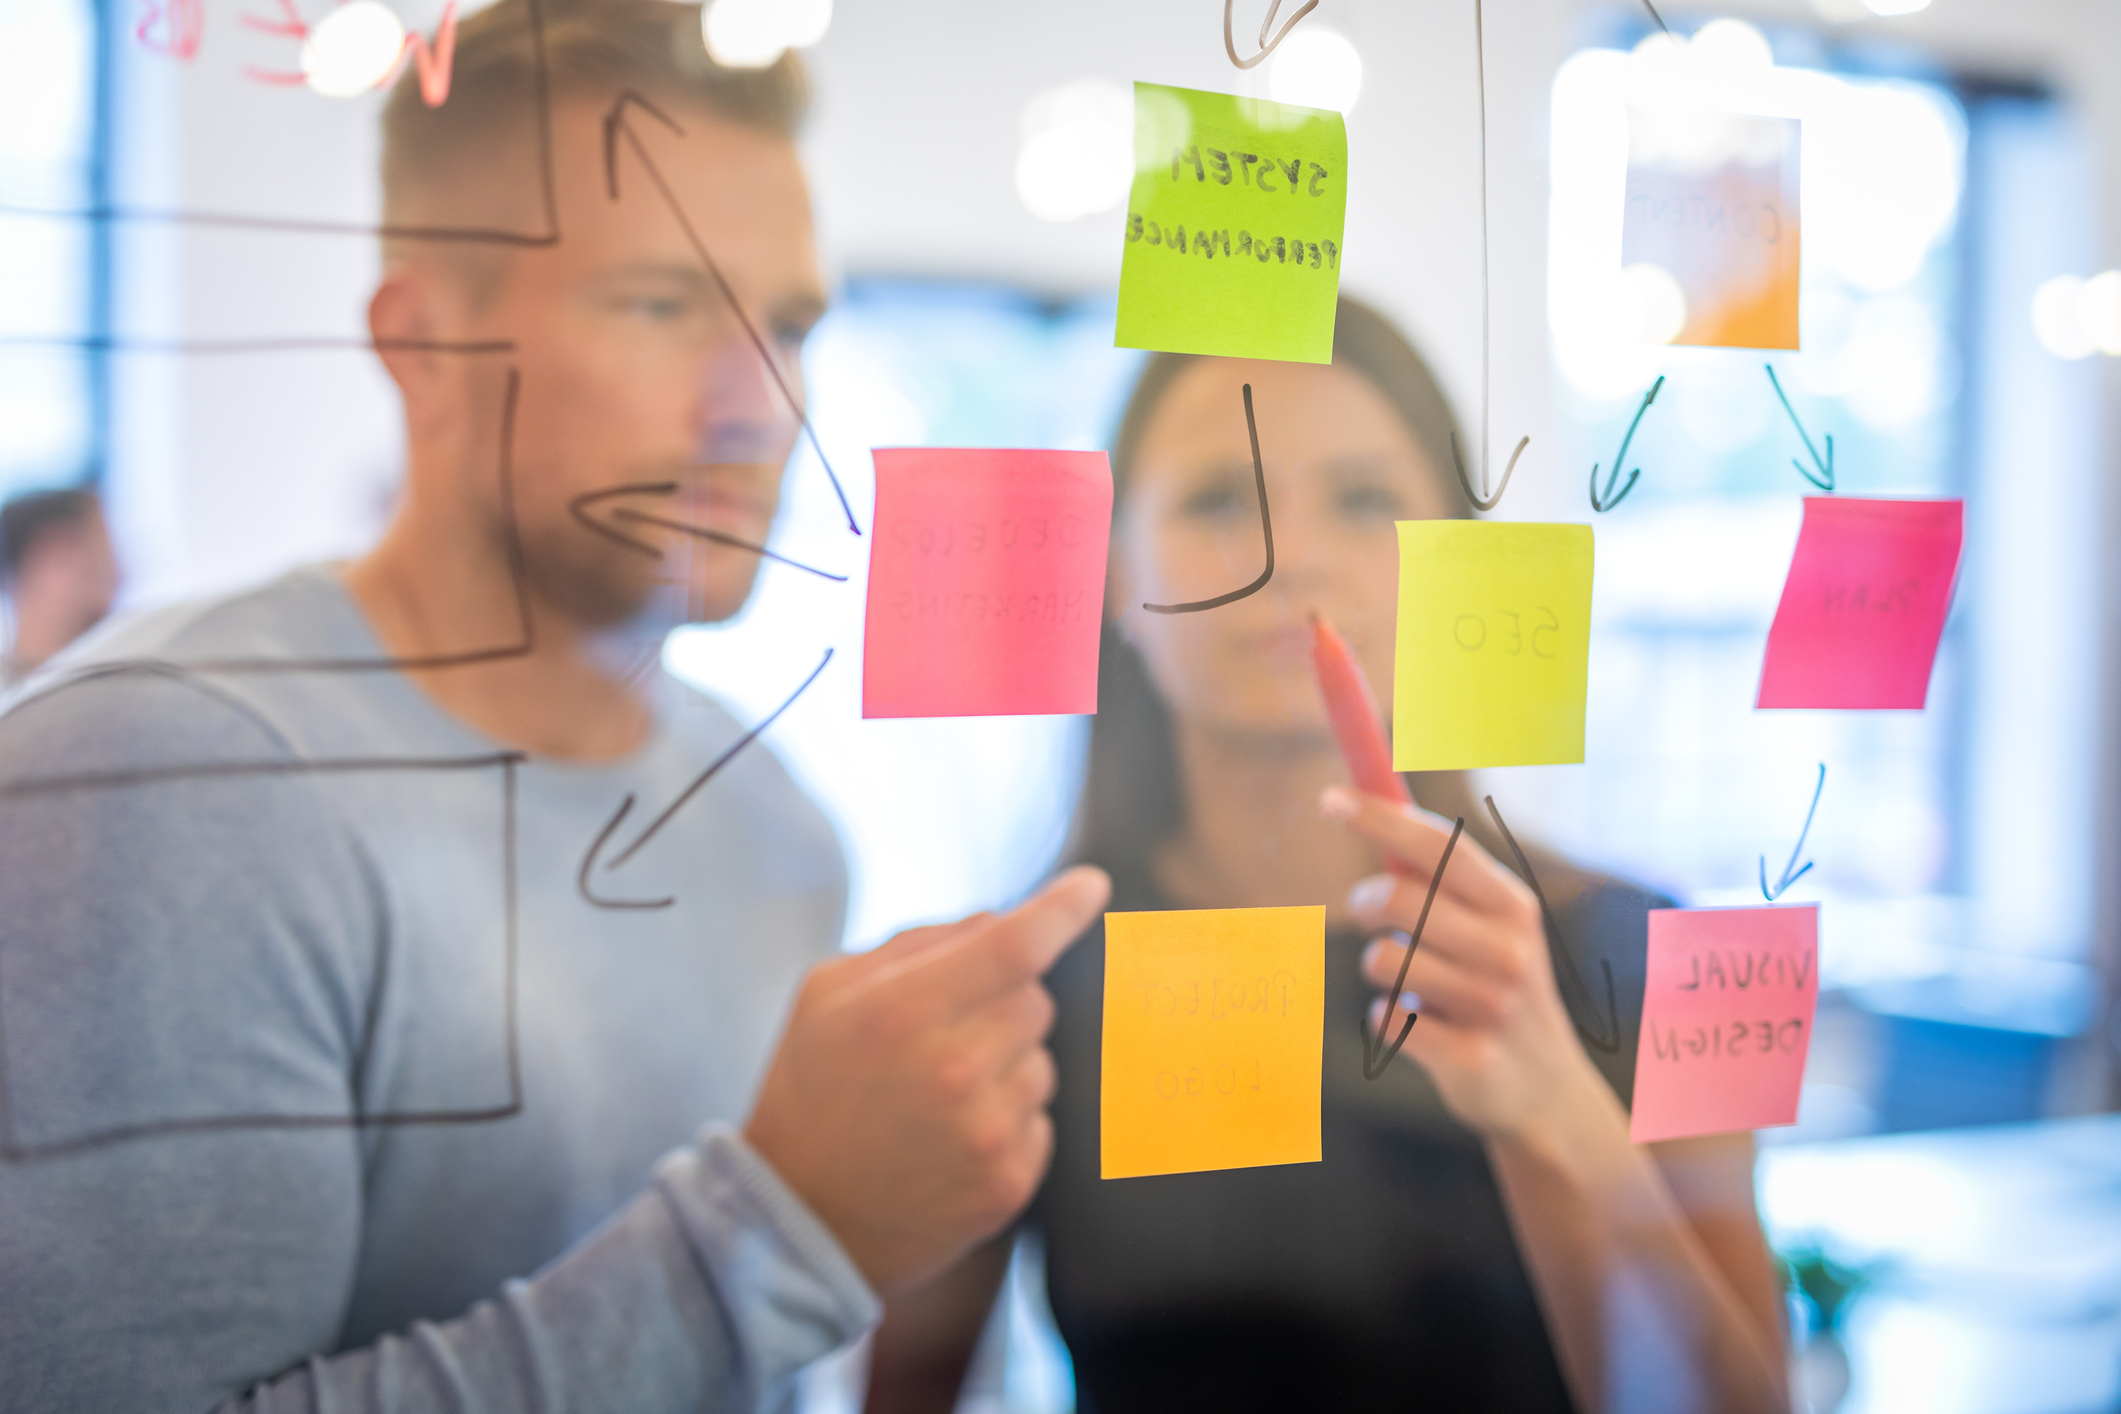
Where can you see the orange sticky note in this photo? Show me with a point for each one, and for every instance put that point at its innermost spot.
(986, 582)
(1726, 1019)
(1712, 202)
(1214, 1039)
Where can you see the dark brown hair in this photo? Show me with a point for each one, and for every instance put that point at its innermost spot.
(1133, 799)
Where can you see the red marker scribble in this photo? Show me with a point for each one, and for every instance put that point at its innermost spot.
(172, 27)
(291, 25)
(434, 64)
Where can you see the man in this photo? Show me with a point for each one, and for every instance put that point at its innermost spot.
(340, 1042)
(59, 572)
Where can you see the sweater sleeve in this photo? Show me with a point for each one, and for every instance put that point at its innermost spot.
(187, 959)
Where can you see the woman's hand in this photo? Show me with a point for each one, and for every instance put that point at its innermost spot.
(1493, 1033)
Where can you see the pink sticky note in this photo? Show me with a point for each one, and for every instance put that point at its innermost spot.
(1864, 605)
(986, 582)
(1726, 1019)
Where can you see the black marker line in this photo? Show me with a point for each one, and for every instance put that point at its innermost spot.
(578, 508)
(1265, 47)
(1825, 480)
(720, 537)
(1266, 530)
(121, 345)
(1612, 500)
(589, 864)
(1789, 878)
(1657, 17)
(541, 83)
(1373, 1065)
(1565, 962)
(14, 1151)
(707, 775)
(1484, 502)
(614, 124)
(512, 545)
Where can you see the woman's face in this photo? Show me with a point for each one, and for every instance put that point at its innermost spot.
(1341, 468)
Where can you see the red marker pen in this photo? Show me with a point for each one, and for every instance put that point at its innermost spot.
(1356, 726)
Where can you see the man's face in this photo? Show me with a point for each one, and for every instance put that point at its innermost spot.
(637, 372)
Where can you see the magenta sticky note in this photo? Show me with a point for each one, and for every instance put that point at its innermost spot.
(986, 582)
(1726, 1019)
(1864, 605)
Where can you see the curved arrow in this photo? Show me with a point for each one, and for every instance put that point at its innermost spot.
(615, 126)
(1612, 500)
(1789, 877)
(1479, 498)
(1825, 480)
(1266, 47)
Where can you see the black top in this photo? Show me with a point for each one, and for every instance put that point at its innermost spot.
(1383, 1277)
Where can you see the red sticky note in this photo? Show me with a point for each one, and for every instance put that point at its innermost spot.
(1726, 1019)
(1864, 605)
(986, 582)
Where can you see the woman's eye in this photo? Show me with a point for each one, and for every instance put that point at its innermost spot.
(1213, 503)
(1372, 503)
(657, 309)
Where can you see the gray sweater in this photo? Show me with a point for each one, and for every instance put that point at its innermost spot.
(322, 1085)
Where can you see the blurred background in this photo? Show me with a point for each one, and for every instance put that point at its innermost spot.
(1949, 1204)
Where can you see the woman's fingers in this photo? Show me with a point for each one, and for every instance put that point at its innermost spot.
(1440, 986)
(1418, 839)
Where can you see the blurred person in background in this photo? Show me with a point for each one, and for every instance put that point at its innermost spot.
(58, 571)
(1481, 1234)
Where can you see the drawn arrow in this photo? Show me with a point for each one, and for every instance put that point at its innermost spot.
(579, 509)
(616, 126)
(1825, 480)
(611, 826)
(1373, 1064)
(1266, 530)
(1607, 1037)
(1612, 500)
(1790, 873)
(1265, 46)
(1481, 498)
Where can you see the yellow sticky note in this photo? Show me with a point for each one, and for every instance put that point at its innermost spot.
(1233, 226)
(1712, 202)
(1214, 1033)
(1493, 648)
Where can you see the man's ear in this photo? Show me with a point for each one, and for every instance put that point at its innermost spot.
(404, 313)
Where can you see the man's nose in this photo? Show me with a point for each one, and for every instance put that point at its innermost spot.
(743, 413)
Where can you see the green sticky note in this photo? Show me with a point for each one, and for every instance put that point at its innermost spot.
(1233, 227)
(1493, 647)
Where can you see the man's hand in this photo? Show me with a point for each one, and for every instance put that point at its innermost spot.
(907, 1101)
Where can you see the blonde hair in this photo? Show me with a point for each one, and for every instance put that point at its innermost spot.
(513, 62)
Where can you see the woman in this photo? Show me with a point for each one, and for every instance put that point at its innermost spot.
(1480, 1234)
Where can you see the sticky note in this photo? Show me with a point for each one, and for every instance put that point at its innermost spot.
(1726, 1019)
(1712, 200)
(1233, 226)
(1493, 648)
(1214, 1039)
(1864, 604)
(986, 582)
